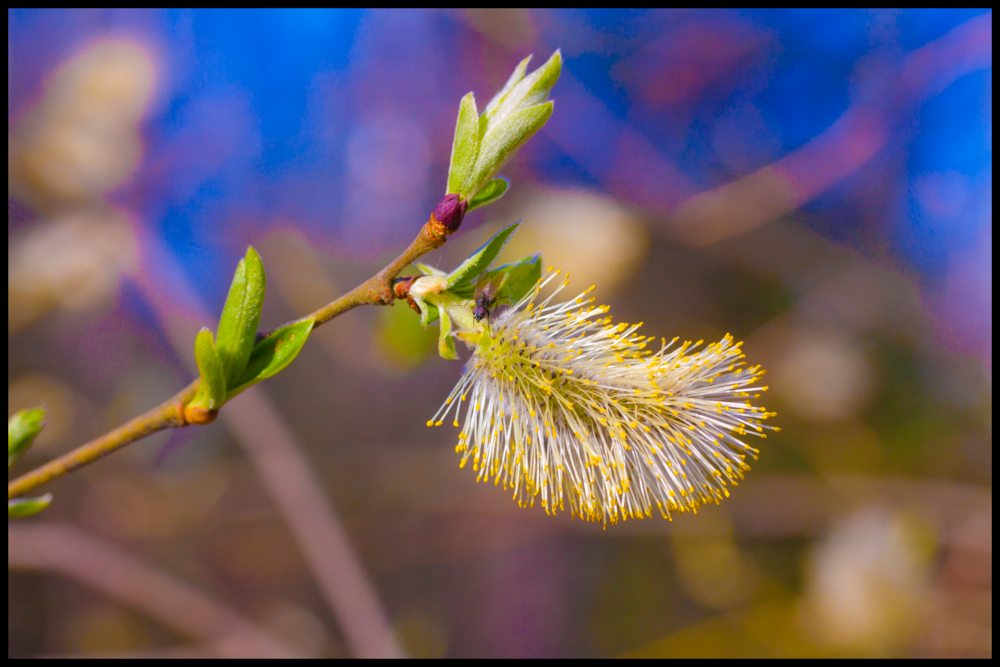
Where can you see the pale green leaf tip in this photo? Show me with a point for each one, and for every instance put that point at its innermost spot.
(22, 428)
(531, 90)
(549, 73)
(492, 191)
(19, 508)
(446, 348)
(515, 78)
(429, 270)
(465, 144)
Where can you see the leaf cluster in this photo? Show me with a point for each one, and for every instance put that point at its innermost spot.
(484, 142)
(235, 359)
(453, 302)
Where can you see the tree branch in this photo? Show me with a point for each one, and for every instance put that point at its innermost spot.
(376, 291)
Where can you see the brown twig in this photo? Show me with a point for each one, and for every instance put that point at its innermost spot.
(376, 291)
(169, 414)
(282, 465)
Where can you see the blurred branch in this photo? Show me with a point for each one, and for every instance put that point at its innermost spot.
(840, 150)
(285, 472)
(123, 577)
(635, 170)
(278, 459)
(377, 290)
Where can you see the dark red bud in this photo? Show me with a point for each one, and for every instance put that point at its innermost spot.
(447, 215)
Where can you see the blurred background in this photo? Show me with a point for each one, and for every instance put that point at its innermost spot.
(817, 183)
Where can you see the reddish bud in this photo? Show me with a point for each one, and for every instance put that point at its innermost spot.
(447, 215)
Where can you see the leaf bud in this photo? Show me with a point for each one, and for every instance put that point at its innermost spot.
(447, 215)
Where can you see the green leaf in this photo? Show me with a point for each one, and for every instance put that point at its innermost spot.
(470, 269)
(212, 391)
(241, 316)
(430, 270)
(21, 431)
(512, 116)
(514, 79)
(272, 354)
(489, 194)
(230, 323)
(517, 279)
(465, 146)
(529, 91)
(446, 346)
(428, 311)
(22, 507)
(501, 142)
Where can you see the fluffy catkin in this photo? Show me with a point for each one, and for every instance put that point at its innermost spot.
(561, 403)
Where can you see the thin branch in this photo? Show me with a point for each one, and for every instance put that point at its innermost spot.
(377, 290)
(282, 465)
(169, 414)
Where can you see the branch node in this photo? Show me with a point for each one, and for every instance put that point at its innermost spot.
(199, 416)
(402, 290)
(447, 215)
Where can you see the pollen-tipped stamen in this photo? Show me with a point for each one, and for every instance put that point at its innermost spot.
(576, 411)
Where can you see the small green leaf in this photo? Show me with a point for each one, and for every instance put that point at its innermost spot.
(241, 316)
(501, 142)
(212, 391)
(517, 278)
(530, 90)
(428, 311)
(22, 507)
(470, 269)
(514, 79)
(430, 270)
(466, 144)
(230, 323)
(272, 354)
(21, 431)
(489, 194)
(510, 119)
(446, 346)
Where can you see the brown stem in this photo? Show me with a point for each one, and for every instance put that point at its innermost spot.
(377, 290)
(169, 414)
